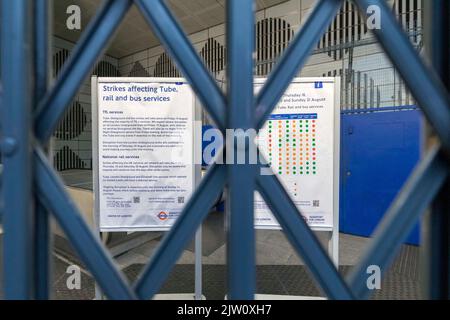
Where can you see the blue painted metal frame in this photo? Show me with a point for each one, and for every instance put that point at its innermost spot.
(437, 223)
(17, 99)
(241, 180)
(42, 230)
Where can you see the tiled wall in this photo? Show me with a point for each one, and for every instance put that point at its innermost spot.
(72, 140)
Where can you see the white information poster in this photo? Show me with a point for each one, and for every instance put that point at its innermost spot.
(298, 141)
(145, 143)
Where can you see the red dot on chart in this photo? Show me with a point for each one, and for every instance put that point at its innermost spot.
(314, 158)
(314, 149)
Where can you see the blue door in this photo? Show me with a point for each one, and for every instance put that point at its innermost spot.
(378, 152)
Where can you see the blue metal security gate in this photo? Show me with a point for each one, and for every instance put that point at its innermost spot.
(31, 112)
(379, 150)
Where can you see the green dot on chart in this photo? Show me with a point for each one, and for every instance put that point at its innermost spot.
(301, 168)
(270, 131)
(314, 162)
(294, 145)
(279, 172)
(314, 144)
(314, 139)
(301, 172)
(307, 163)
(307, 168)
(314, 168)
(295, 172)
(314, 172)
(307, 130)
(301, 130)
(307, 172)
(279, 145)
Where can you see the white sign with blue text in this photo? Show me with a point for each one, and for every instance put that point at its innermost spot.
(145, 152)
(300, 140)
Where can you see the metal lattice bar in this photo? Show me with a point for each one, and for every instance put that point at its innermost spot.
(42, 229)
(180, 48)
(402, 215)
(16, 145)
(436, 225)
(17, 99)
(92, 43)
(294, 58)
(52, 194)
(302, 238)
(424, 85)
(182, 231)
(241, 177)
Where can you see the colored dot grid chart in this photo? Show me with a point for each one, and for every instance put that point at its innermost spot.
(292, 143)
(300, 141)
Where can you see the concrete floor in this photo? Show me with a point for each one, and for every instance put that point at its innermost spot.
(275, 258)
(272, 248)
(279, 270)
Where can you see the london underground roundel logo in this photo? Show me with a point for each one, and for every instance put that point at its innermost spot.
(162, 215)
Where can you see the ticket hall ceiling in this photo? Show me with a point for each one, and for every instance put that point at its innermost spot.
(134, 34)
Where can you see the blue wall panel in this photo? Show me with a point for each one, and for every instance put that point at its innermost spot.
(378, 152)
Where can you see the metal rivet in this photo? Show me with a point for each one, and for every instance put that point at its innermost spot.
(8, 146)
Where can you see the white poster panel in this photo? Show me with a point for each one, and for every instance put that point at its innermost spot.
(298, 141)
(145, 152)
